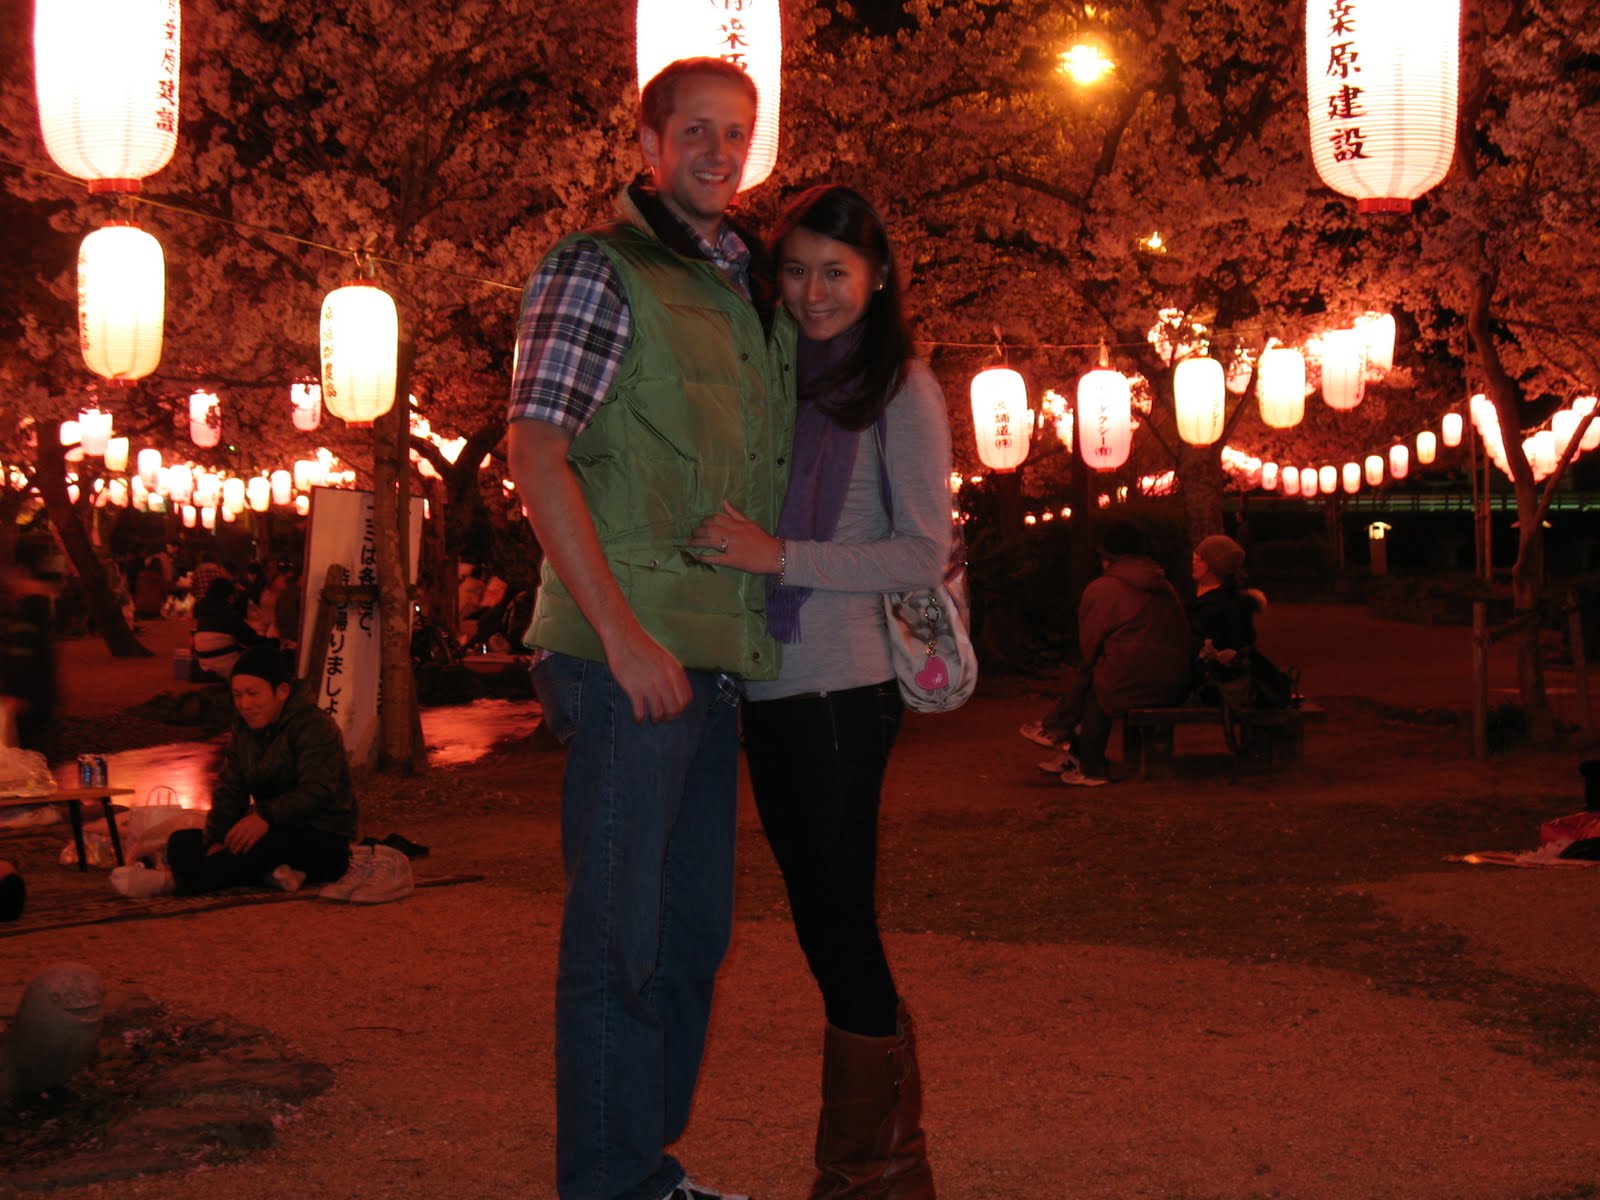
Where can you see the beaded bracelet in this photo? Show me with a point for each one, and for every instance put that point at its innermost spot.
(783, 559)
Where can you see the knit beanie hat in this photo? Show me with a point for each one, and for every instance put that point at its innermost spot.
(262, 662)
(1221, 553)
(1120, 538)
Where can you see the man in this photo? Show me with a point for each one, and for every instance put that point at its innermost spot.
(28, 686)
(649, 388)
(283, 809)
(1133, 638)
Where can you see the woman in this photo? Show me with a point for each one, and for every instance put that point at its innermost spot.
(867, 512)
(1222, 626)
(220, 633)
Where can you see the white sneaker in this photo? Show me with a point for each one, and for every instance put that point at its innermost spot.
(1074, 776)
(1061, 762)
(354, 876)
(388, 878)
(1034, 732)
(286, 879)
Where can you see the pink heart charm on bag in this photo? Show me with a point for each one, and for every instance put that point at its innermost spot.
(933, 675)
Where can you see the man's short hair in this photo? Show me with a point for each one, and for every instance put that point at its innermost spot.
(1121, 537)
(659, 96)
(262, 662)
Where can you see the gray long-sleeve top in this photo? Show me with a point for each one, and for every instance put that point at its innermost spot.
(843, 643)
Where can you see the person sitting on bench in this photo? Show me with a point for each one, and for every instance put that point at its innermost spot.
(1222, 628)
(283, 809)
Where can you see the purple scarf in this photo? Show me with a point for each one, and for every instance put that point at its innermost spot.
(820, 466)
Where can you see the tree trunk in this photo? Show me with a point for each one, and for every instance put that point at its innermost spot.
(51, 480)
(1527, 582)
(400, 749)
(1200, 485)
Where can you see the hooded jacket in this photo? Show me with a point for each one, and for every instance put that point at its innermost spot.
(1134, 636)
(294, 772)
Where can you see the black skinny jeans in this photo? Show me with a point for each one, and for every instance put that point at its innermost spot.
(324, 857)
(816, 766)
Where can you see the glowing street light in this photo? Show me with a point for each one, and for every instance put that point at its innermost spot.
(1085, 64)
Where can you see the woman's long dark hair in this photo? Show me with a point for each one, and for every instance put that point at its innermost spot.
(876, 367)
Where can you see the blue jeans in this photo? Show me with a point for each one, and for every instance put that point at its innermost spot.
(647, 835)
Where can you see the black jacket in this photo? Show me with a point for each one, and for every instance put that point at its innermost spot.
(294, 771)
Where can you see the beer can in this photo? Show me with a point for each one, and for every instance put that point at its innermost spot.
(101, 777)
(86, 770)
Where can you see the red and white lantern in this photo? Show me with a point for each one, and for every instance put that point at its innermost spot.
(1352, 477)
(1105, 419)
(106, 73)
(1427, 447)
(360, 352)
(1002, 423)
(1269, 476)
(1328, 478)
(306, 402)
(1372, 470)
(1399, 461)
(1382, 93)
(205, 419)
(748, 33)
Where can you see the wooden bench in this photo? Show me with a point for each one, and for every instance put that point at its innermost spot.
(1276, 735)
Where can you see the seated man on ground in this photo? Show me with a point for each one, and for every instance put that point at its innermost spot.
(1134, 640)
(283, 810)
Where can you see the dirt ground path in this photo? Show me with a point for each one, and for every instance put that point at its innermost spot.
(1217, 987)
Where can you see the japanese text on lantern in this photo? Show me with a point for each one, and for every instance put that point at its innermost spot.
(166, 113)
(1002, 427)
(1344, 97)
(735, 44)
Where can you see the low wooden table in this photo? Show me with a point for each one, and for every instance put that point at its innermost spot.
(73, 798)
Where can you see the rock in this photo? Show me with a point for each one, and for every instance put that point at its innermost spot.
(54, 1032)
(220, 1079)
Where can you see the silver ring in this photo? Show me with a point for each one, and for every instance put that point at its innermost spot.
(724, 543)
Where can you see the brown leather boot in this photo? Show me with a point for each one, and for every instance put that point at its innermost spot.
(869, 1137)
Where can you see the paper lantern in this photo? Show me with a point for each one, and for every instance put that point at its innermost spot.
(1328, 479)
(71, 434)
(1541, 452)
(138, 494)
(207, 489)
(208, 518)
(106, 73)
(1309, 481)
(233, 495)
(1282, 387)
(1372, 469)
(748, 33)
(1002, 423)
(117, 492)
(306, 402)
(360, 352)
(1289, 481)
(258, 493)
(149, 467)
(302, 505)
(1399, 461)
(1200, 393)
(180, 484)
(1269, 476)
(205, 419)
(1105, 419)
(1450, 429)
(1427, 447)
(117, 455)
(1377, 339)
(188, 513)
(282, 487)
(1381, 91)
(1563, 425)
(94, 431)
(122, 295)
(1351, 475)
(229, 516)
(1344, 366)
(1583, 406)
(73, 492)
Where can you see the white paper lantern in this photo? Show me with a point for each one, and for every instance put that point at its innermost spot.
(1343, 369)
(282, 487)
(1002, 423)
(1563, 425)
(1282, 387)
(180, 484)
(1377, 338)
(1200, 394)
(258, 493)
(1352, 477)
(117, 492)
(73, 492)
(1450, 429)
(1310, 481)
(1372, 469)
(748, 33)
(207, 489)
(229, 516)
(1328, 479)
(360, 352)
(188, 512)
(1382, 91)
(107, 74)
(205, 419)
(149, 466)
(117, 455)
(306, 402)
(122, 296)
(71, 434)
(208, 518)
(1399, 461)
(1583, 406)
(94, 431)
(1541, 452)
(1105, 419)
(1269, 476)
(1427, 447)
(233, 495)
(302, 505)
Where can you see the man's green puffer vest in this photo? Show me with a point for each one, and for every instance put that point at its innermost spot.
(701, 410)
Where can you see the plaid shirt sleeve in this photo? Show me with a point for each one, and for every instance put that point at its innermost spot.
(571, 337)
